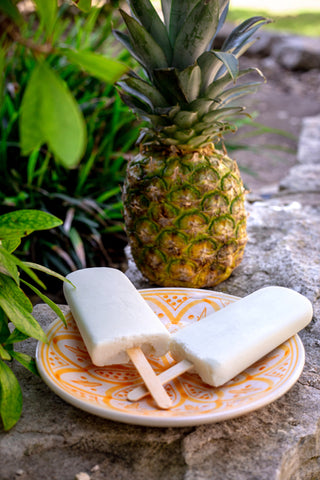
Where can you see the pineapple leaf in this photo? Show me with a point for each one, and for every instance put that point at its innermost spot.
(141, 109)
(177, 15)
(244, 48)
(241, 34)
(200, 140)
(136, 104)
(223, 8)
(219, 85)
(166, 9)
(211, 63)
(231, 93)
(125, 40)
(222, 112)
(185, 119)
(143, 90)
(230, 62)
(145, 12)
(196, 33)
(201, 105)
(190, 81)
(149, 53)
(167, 80)
(183, 136)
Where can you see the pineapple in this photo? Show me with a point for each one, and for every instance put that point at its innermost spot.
(183, 196)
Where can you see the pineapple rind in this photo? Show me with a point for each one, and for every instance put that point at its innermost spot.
(192, 231)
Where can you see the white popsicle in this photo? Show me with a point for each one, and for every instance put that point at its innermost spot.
(116, 324)
(225, 343)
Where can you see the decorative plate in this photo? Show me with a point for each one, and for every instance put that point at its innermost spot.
(65, 366)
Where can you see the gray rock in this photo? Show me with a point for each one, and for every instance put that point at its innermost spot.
(302, 178)
(309, 140)
(295, 52)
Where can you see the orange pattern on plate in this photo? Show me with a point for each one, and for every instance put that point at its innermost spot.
(66, 367)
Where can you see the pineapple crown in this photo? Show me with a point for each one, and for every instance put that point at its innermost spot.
(185, 92)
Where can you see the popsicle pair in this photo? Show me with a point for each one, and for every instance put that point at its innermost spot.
(117, 324)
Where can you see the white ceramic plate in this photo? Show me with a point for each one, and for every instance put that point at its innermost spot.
(65, 366)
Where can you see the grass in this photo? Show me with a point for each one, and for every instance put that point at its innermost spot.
(307, 23)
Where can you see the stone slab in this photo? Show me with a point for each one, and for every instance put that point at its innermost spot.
(302, 178)
(309, 140)
(297, 52)
(277, 442)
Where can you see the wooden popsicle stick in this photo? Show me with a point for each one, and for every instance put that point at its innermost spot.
(152, 382)
(164, 377)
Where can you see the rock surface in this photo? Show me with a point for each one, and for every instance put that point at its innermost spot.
(278, 442)
(309, 141)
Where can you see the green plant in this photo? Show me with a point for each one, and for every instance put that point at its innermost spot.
(87, 198)
(15, 306)
(49, 113)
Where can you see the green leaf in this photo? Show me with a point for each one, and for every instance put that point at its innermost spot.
(18, 295)
(13, 302)
(145, 12)
(97, 65)
(47, 10)
(10, 397)
(47, 300)
(21, 223)
(29, 272)
(196, 33)
(26, 361)
(2, 72)
(48, 271)
(4, 329)
(15, 336)
(11, 244)
(7, 265)
(149, 53)
(4, 354)
(84, 5)
(50, 114)
(10, 9)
